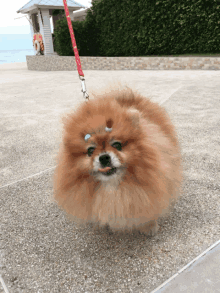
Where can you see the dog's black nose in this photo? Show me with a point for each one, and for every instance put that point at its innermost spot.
(105, 160)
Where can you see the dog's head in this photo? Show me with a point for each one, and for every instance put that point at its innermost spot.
(103, 139)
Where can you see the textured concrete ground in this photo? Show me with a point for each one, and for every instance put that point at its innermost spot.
(202, 274)
(41, 250)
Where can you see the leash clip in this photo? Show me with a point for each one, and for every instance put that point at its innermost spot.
(85, 94)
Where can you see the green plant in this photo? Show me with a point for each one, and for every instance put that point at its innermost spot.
(140, 28)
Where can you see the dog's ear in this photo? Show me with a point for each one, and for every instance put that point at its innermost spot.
(135, 116)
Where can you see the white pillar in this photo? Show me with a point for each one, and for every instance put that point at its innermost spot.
(31, 25)
(45, 30)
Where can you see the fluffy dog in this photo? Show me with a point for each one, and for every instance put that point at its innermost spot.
(119, 162)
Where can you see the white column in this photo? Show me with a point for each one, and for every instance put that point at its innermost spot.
(45, 30)
(31, 25)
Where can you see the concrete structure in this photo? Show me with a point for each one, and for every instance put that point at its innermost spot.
(68, 63)
(43, 251)
(40, 11)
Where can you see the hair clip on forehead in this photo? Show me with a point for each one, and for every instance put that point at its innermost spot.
(108, 129)
(87, 137)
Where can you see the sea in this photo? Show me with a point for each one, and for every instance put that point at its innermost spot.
(15, 47)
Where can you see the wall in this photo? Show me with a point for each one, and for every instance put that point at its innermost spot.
(61, 63)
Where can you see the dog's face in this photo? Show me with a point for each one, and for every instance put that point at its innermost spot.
(104, 145)
(108, 148)
(105, 153)
(107, 159)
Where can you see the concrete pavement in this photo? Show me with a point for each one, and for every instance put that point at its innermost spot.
(200, 275)
(42, 251)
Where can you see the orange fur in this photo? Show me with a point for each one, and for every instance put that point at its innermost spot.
(150, 162)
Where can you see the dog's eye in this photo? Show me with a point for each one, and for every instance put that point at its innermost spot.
(117, 145)
(90, 151)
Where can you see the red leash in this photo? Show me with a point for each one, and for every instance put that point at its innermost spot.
(78, 63)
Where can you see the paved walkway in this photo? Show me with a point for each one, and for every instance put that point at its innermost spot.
(42, 251)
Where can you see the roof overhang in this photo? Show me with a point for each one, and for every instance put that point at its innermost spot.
(35, 7)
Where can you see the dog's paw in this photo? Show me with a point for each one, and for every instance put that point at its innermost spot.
(149, 229)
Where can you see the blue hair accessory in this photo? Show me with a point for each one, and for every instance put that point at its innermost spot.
(87, 137)
(108, 128)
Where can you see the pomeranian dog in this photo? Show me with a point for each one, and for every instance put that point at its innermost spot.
(119, 162)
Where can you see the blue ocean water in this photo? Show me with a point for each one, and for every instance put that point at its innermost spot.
(15, 47)
(11, 56)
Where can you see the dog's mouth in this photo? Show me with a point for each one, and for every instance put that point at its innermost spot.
(108, 171)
